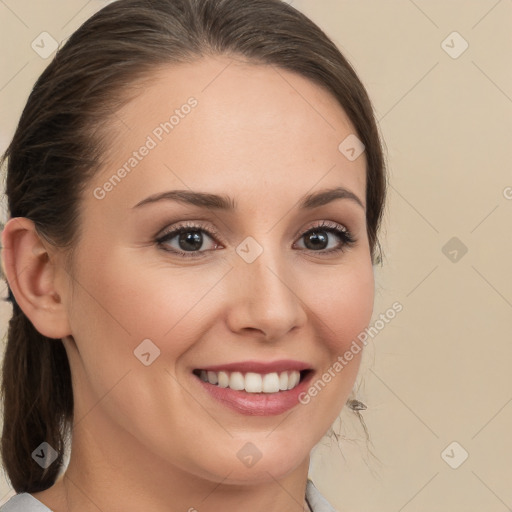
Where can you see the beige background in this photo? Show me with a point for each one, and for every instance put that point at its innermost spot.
(440, 371)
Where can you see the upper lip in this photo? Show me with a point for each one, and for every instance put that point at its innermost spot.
(259, 366)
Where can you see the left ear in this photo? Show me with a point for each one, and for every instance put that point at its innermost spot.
(31, 271)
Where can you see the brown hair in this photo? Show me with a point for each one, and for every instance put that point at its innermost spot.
(59, 143)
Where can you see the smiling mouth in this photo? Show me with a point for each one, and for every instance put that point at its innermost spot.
(252, 382)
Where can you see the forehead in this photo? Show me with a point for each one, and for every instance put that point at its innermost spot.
(220, 123)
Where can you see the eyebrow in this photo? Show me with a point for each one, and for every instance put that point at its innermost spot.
(223, 202)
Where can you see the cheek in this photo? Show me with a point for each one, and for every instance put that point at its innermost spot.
(124, 303)
(343, 302)
(343, 306)
(128, 300)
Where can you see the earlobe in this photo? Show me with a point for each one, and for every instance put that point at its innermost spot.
(31, 273)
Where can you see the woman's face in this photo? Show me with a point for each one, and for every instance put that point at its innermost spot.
(255, 290)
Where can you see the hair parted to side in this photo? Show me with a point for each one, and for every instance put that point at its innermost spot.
(61, 138)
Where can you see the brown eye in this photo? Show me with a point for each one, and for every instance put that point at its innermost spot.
(317, 239)
(188, 240)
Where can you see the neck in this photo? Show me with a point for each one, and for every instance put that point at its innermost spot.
(104, 475)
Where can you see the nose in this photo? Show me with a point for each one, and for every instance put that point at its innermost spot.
(264, 297)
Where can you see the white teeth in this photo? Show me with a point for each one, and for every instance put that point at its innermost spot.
(293, 379)
(223, 379)
(270, 383)
(236, 381)
(253, 382)
(283, 381)
(212, 378)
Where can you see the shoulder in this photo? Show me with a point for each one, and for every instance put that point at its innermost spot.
(23, 502)
(317, 502)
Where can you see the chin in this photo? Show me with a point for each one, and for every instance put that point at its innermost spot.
(252, 465)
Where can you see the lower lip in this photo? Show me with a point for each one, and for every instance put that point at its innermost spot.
(257, 404)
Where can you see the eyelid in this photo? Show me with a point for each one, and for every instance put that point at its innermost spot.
(192, 225)
(346, 236)
(321, 224)
(212, 231)
(348, 239)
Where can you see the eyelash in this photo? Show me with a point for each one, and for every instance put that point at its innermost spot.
(347, 238)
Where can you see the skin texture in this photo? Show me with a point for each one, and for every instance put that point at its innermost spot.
(147, 437)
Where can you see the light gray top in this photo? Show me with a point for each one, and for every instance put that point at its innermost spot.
(25, 502)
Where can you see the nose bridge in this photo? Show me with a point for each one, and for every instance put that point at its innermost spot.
(265, 299)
